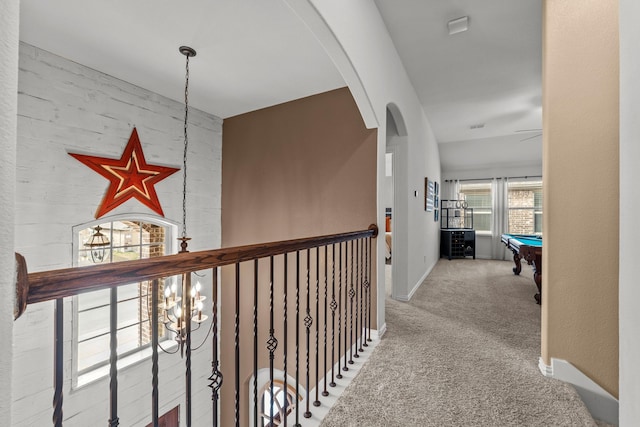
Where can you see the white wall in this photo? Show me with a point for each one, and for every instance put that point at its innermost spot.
(629, 375)
(8, 121)
(355, 28)
(65, 107)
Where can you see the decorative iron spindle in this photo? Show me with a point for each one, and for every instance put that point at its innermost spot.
(334, 305)
(58, 362)
(361, 299)
(237, 348)
(255, 342)
(357, 286)
(186, 292)
(272, 342)
(113, 359)
(284, 344)
(326, 320)
(317, 383)
(154, 352)
(215, 380)
(339, 375)
(366, 291)
(308, 321)
(297, 335)
(369, 288)
(351, 295)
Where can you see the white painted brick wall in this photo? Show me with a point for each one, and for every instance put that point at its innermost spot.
(9, 12)
(66, 107)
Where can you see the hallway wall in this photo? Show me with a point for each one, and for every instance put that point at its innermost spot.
(629, 298)
(300, 169)
(581, 186)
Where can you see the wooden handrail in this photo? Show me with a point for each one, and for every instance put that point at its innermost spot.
(49, 285)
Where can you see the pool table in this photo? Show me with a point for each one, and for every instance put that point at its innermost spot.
(529, 248)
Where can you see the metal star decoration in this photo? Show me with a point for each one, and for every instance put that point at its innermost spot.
(130, 176)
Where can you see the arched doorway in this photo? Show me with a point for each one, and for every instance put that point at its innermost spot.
(396, 201)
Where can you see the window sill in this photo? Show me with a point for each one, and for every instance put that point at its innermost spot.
(131, 360)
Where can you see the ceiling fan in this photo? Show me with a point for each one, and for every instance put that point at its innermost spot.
(538, 132)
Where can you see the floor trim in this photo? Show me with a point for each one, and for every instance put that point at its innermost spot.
(601, 404)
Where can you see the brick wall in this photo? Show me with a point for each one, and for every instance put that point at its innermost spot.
(521, 221)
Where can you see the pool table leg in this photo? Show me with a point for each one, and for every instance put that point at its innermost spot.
(537, 277)
(516, 258)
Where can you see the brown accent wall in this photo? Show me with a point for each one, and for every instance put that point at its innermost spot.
(580, 167)
(300, 169)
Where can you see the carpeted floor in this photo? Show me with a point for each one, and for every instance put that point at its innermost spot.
(463, 352)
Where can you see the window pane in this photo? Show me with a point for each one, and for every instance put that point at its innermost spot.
(93, 352)
(93, 322)
(128, 339)
(128, 312)
(127, 240)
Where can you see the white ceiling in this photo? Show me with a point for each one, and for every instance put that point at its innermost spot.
(256, 53)
(250, 54)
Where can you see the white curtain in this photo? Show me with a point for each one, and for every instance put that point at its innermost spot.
(500, 217)
(450, 190)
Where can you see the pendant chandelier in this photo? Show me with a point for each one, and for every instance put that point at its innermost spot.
(182, 308)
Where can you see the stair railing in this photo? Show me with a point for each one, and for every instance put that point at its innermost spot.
(330, 281)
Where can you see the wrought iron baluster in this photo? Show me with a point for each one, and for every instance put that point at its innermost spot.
(326, 292)
(297, 336)
(113, 358)
(366, 297)
(58, 362)
(357, 286)
(255, 343)
(308, 321)
(360, 300)
(286, 282)
(317, 383)
(187, 324)
(369, 288)
(339, 375)
(334, 306)
(272, 342)
(154, 352)
(215, 380)
(351, 295)
(237, 348)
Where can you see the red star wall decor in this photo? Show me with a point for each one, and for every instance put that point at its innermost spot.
(129, 176)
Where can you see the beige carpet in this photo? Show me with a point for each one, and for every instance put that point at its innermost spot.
(462, 352)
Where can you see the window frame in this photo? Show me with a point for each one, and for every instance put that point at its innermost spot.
(133, 356)
(479, 183)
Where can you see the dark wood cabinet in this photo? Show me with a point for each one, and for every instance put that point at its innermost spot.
(458, 243)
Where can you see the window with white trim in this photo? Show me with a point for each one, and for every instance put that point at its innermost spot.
(525, 207)
(478, 197)
(124, 240)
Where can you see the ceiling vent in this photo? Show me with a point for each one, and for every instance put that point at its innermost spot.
(477, 126)
(458, 25)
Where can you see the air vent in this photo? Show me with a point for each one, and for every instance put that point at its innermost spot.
(477, 126)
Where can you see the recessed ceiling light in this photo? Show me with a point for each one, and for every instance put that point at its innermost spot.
(458, 25)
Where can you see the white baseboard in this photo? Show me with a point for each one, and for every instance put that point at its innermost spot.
(407, 298)
(319, 412)
(601, 404)
(546, 370)
(377, 334)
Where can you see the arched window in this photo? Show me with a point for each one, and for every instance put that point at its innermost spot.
(274, 399)
(115, 240)
(277, 401)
